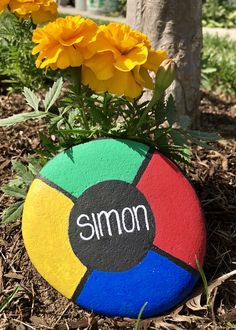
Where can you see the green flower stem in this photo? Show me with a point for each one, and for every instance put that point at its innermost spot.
(76, 79)
(83, 116)
(157, 95)
(164, 78)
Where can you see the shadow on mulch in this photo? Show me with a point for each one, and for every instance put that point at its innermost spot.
(225, 125)
(38, 306)
(218, 115)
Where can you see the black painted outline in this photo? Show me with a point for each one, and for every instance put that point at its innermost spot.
(147, 240)
(155, 248)
(81, 285)
(53, 185)
(177, 261)
(87, 274)
(144, 165)
(138, 176)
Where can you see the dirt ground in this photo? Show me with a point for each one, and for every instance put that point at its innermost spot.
(213, 172)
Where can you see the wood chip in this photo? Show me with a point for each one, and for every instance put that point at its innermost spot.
(14, 275)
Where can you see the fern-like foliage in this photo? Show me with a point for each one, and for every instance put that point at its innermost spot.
(18, 186)
(17, 64)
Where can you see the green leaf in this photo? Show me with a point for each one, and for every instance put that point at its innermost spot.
(16, 182)
(8, 300)
(44, 153)
(180, 153)
(21, 117)
(53, 94)
(209, 70)
(23, 172)
(19, 168)
(185, 153)
(160, 113)
(99, 117)
(72, 117)
(35, 164)
(47, 143)
(178, 138)
(161, 131)
(56, 121)
(13, 212)
(171, 110)
(179, 159)
(14, 191)
(31, 98)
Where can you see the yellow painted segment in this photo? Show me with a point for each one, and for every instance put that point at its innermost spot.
(45, 233)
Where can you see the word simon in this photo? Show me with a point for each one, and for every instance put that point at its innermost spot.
(100, 224)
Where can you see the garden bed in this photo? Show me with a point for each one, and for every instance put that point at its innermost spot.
(38, 306)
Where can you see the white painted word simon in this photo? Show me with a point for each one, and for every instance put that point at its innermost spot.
(136, 214)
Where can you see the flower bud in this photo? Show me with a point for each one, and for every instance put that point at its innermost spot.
(165, 75)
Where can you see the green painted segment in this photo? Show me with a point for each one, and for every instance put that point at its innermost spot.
(82, 166)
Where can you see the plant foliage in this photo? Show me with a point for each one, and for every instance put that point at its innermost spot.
(218, 65)
(17, 69)
(83, 113)
(219, 13)
(86, 116)
(17, 187)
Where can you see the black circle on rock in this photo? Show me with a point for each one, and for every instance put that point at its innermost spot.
(111, 226)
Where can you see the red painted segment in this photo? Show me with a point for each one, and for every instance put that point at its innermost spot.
(180, 228)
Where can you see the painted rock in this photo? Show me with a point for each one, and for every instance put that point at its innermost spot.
(112, 224)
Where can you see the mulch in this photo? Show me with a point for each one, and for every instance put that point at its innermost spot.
(213, 173)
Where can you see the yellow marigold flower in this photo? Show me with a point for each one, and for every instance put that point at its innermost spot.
(3, 5)
(129, 84)
(64, 42)
(121, 62)
(40, 11)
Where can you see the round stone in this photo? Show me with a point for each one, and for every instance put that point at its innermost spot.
(113, 224)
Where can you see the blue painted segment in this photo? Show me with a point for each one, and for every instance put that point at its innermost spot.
(155, 280)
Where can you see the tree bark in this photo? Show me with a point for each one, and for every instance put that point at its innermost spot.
(174, 25)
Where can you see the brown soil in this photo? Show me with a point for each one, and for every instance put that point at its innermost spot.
(37, 306)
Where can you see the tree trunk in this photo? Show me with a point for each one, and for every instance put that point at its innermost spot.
(174, 25)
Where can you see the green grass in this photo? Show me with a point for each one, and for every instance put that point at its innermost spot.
(219, 65)
(137, 324)
(9, 299)
(204, 280)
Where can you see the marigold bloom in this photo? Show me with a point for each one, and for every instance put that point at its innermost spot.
(121, 62)
(40, 11)
(3, 5)
(64, 42)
